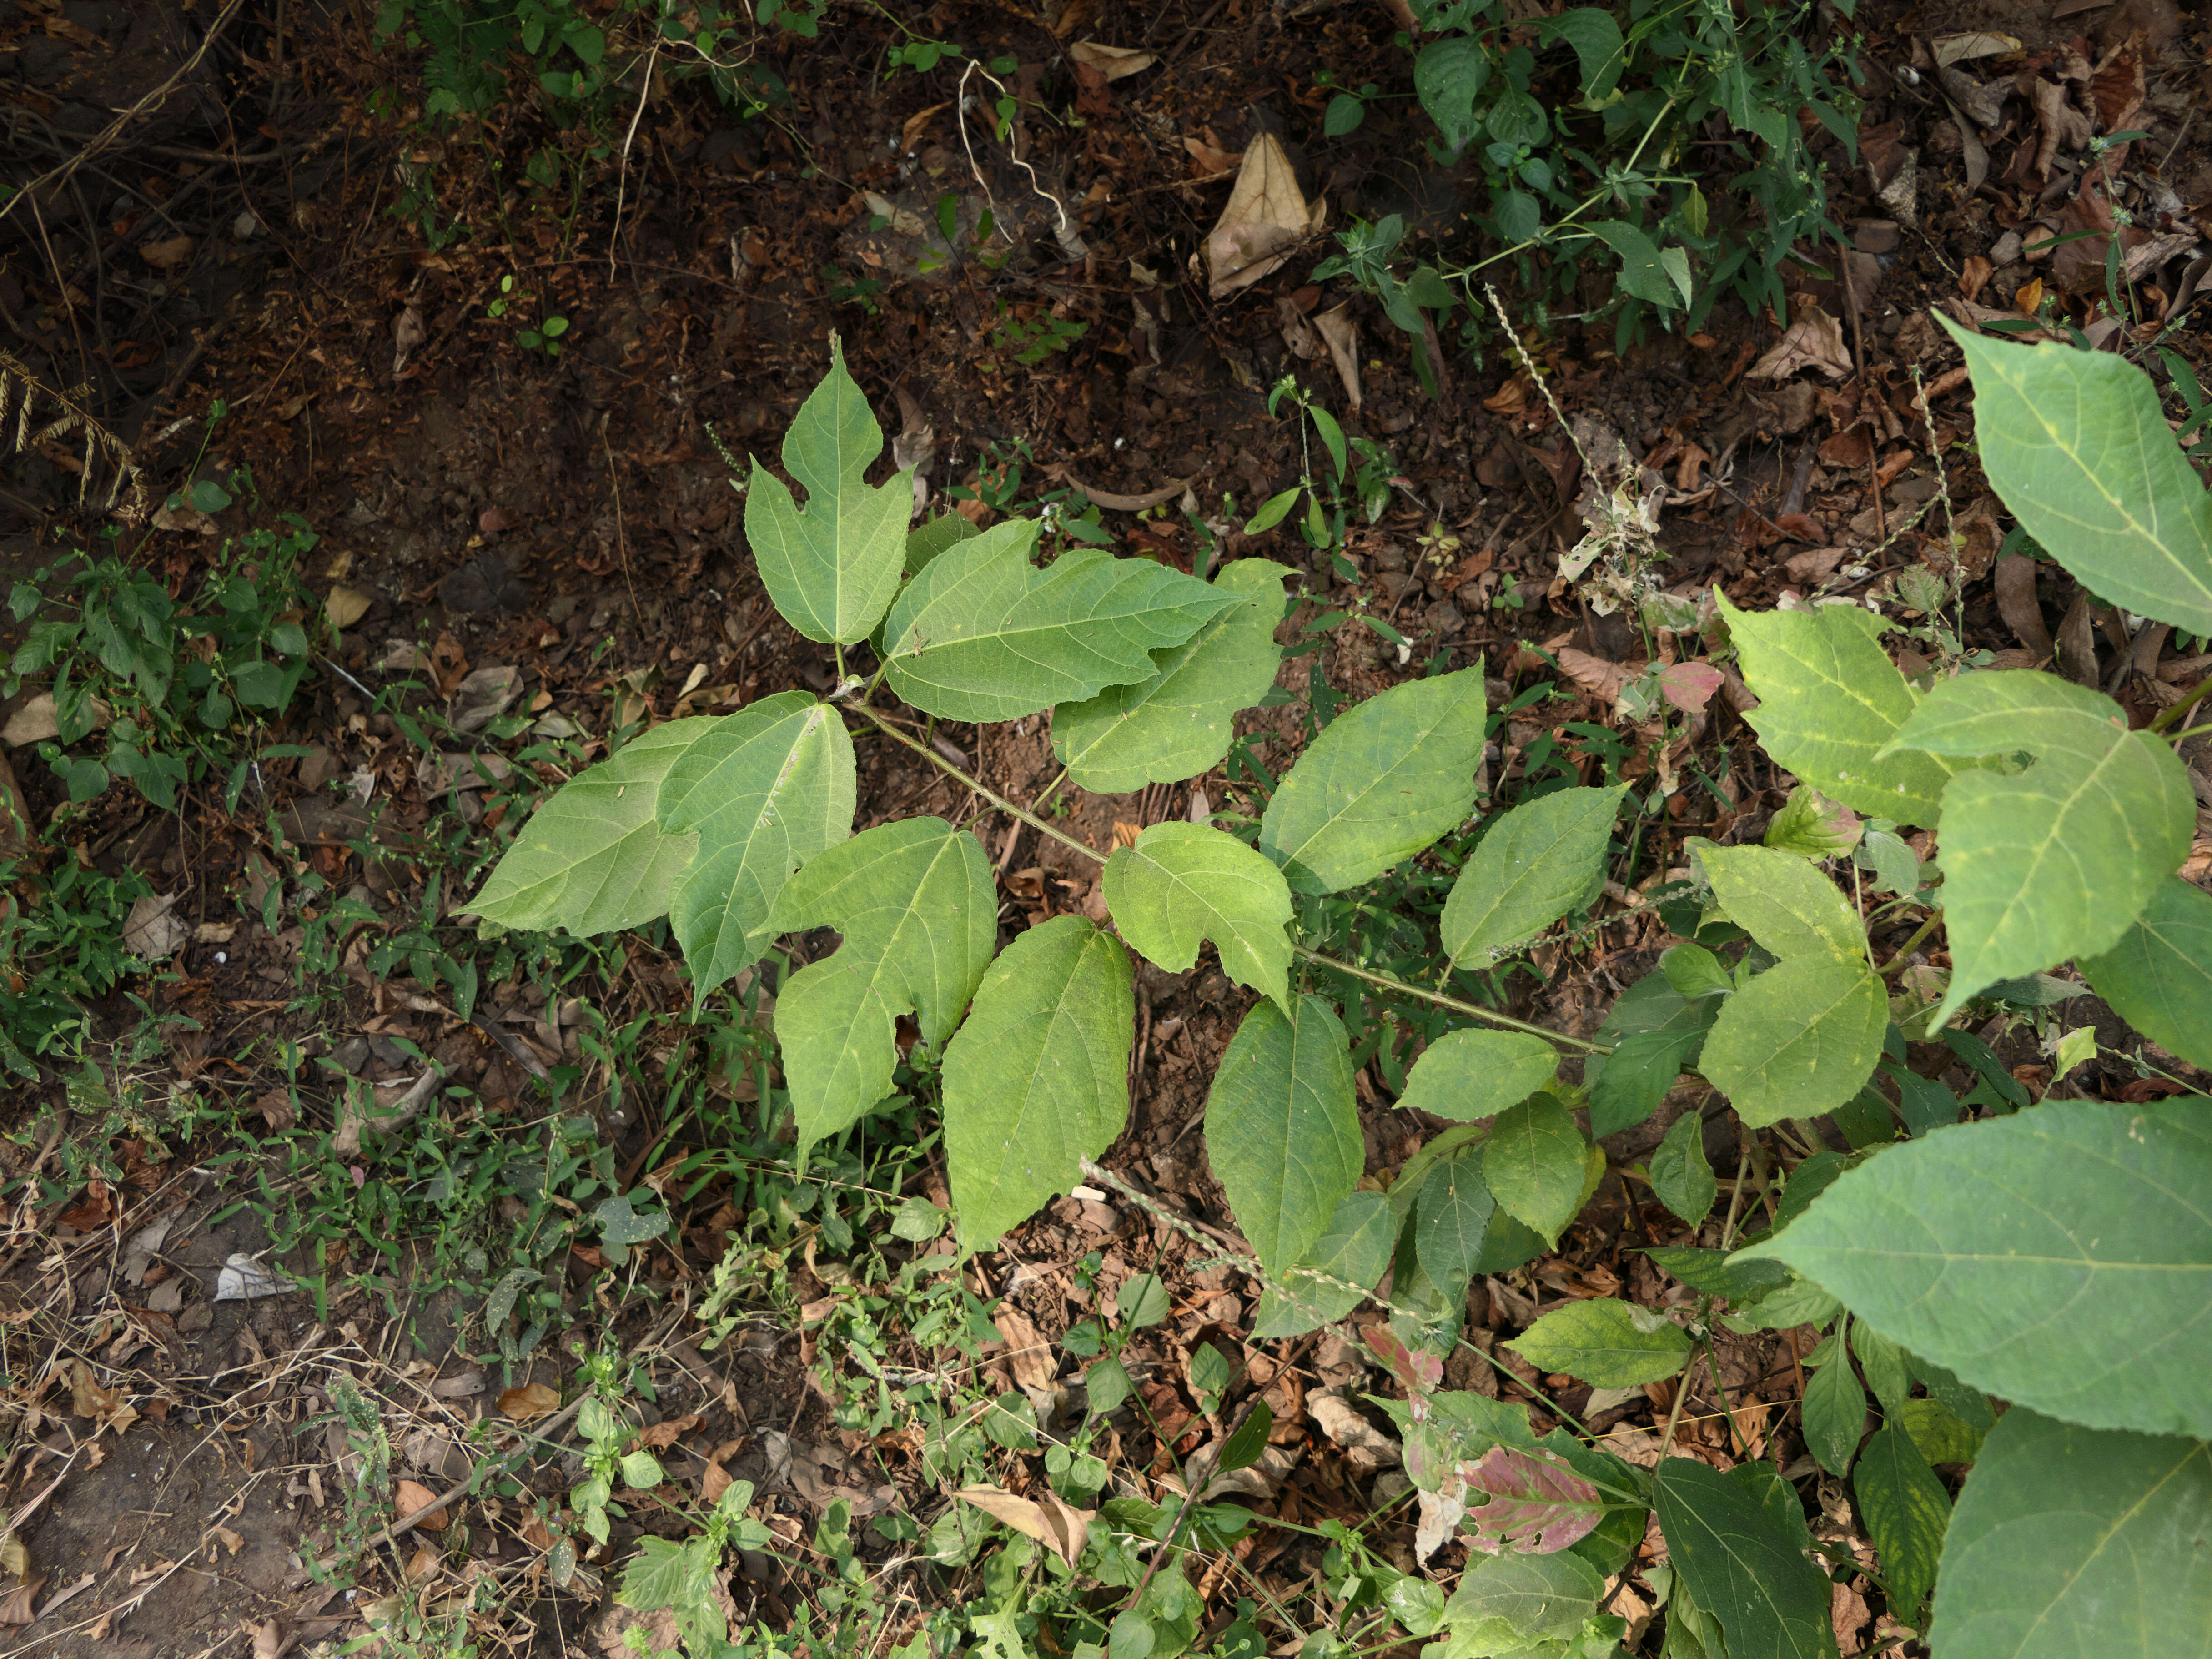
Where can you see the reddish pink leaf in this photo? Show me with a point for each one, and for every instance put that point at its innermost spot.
(1690, 685)
(1417, 1373)
(1537, 1504)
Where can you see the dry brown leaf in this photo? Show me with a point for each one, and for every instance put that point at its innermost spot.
(151, 931)
(345, 607)
(1974, 274)
(1265, 218)
(87, 1397)
(713, 1482)
(1029, 1353)
(1125, 834)
(233, 1541)
(661, 1436)
(96, 1210)
(14, 1557)
(18, 1608)
(1815, 341)
(1060, 1527)
(1957, 48)
(916, 125)
(529, 1402)
(421, 1564)
(168, 253)
(1207, 160)
(1594, 674)
(1111, 62)
(411, 1496)
(1336, 326)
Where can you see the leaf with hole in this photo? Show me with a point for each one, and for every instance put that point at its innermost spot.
(1535, 863)
(1535, 1503)
(1182, 882)
(1281, 1130)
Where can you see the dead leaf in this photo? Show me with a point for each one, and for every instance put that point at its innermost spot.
(1815, 341)
(168, 253)
(150, 932)
(529, 1402)
(17, 1608)
(1208, 158)
(713, 1482)
(421, 1564)
(1029, 1353)
(233, 1541)
(661, 1436)
(345, 607)
(407, 333)
(2016, 602)
(96, 1210)
(1601, 678)
(33, 721)
(1111, 62)
(1973, 275)
(1338, 329)
(1059, 1526)
(916, 125)
(87, 1397)
(1958, 48)
(268, 1638)
(1265, 218)
(243, 1279)
(412, 1496)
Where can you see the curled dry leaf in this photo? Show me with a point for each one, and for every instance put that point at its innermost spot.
(1815, 341)
(150, 932)
(1341, 333)
(87, 1397)
(19, 1605)
(1596, 675)
(1029, 1355)
(233, 1541)
(1265, 218)
(1113, 63)
(529, 1402)
(268, 1638)
(1060, 1527)
(413, 1495)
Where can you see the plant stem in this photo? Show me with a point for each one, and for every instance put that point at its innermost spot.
(2168, 716)
(991, 795)
(1903, 956)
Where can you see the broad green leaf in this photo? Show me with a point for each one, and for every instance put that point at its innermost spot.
(2068, 1541)
(1656, 1034)
(592, 859)
(1641, 273)
(1681, 1177)
(2159, 977)
(1385, 780)
(1447, 76)
(1607, 1343)
(1534, 1163)
(1542, 860)
(1595, 37)
(1883, 1363)
(2059, 860)
(926, 540)
(1742, 1566)
(1354, 1251)
(1835, 1412)
(2077, 447)
(1739, 1279)
(1829, 698)
(1178, 721)
(1505, 1603)
(1906, 1511)
(766, 790)
(919, 915)
(1037, 1078)
(1799, 1302)
(2060, 1257)
(1798, 1041)
(1784, 902)
(1451, 1218)
(1693, 971)
(983, 635)
(1184, 882)
(1470, 1075)
(832, 568)
(1941, 1435)
(1281, 1130)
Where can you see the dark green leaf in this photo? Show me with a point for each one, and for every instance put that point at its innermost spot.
(1680, 1175)
(1905, 1509)
(1742, 1566)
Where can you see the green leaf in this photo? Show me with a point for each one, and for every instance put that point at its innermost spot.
(1037, 1078)
(1451, 1219)
(1906, 1511)
(1607, 1343)
(1835, 1412)
(1784, 903)
(1272, 512)
(621, 1223)
(1682, 1176)
(1883, 1363)
(1737, 1279)
(2060, 1257)
(1142, 1300)
(1693, 971)
(1655, 1034)
(1542, 860)
(1741, 1565)
(1281, 1129)
(2068, 1541)
(641, 1469)
(1971, 1405)
(832, 568)
(593, 858)
(983, 635)
(2076, 446)
(1597, 42)
(1355, 1248)
(1534, 1162)
(1184, 882)
(1180, 721)
(2059, 860)
(918, 911)
(2159, 977)
(1470, 1075)
(926, 540)
(764, 791)
(1447, 76)
(1516, 1600)
(1384, 781)
(1799, 1040)
(1829, 698)
(1641, 273)
(1941, 1434)
(1812, 826)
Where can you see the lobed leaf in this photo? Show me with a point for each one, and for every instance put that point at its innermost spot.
(1037, 1079)
(1281, 1130)
(1537, 861)
(1469, 1075)
(1182, 883)
(1799, 1040)
(2158, 976)
(1607, 1343)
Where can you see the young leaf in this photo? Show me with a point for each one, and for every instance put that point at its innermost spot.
(1681, 1177)
(1451, 1218)
(1536, 1503)
(1607, 1343)
(1180, 721)
(1037, 1078)
(2060, 1258)
(1799, 1040)
(1812, 826)
(1184, 882)
(1835, 1414)
(1829, 698)
(1281, 1129)
(594, 859)
(1542, 860)
(2067, 1541)
(1906, 1511)
(1883, 1362)
(2076, 444)
(2059, 860)
(832, 568)
(1385, 780)
(1742, 1566)
(919, 915)
(1355, 1249)
(766, 789)
(983, 635)
(1470, 1075)
(1784, 903)
(2159, 977)
(1534, 1162)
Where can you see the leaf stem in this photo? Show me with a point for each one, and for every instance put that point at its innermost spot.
(1902, 956)
(991, 795)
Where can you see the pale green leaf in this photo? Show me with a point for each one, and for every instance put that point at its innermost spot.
(2059, 860)
(1470, 1075)
(1829, 698)
(2076, 446)
(1905, 1511)
(1037, 1078)
(1883, 1363)
(1385, 780)
(766, 790)
(1607, 1343)
(1835, 1412)
(1784, 903)
(2068, 1542)
(1534, 1163)
(1180, 721)
(1281, 1130)
(2159, 977)
(594, 859)
(1184, 882)
(1742, 1566)
(983, 635)
(1537, 861)
(1514, 1600)
(1941, 1435)
(1682, 1176)
(2060, 1257)
(919, 912)
(832, 568)
(1451, 1219)
(1355, 1249)
(1798, 1041)
(1812, 826)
